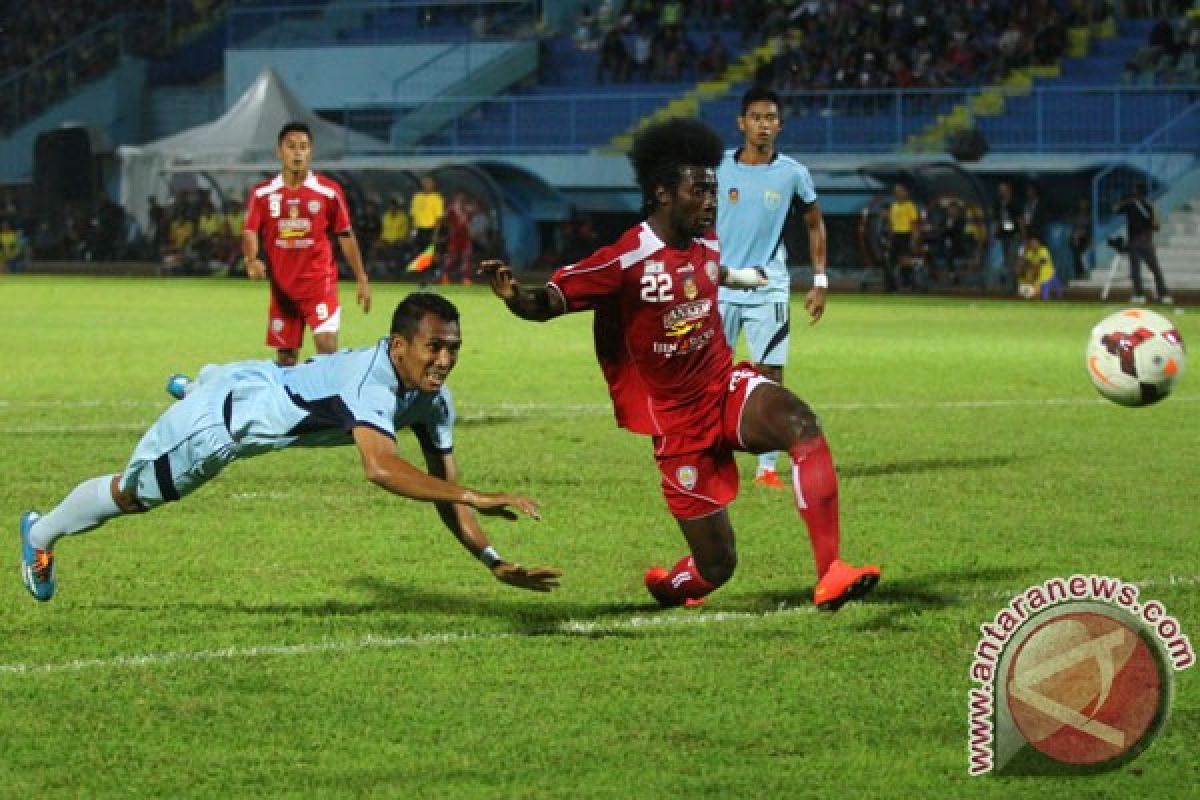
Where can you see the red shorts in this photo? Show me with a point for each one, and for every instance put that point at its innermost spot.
(318, 308)
(699, 474)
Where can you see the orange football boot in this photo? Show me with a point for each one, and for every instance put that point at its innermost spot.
(842, 583)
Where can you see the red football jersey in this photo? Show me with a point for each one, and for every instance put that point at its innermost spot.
(657, 331)
(294, 227)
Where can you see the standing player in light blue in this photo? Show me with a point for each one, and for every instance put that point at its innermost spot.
(756, 188)
(360, 397)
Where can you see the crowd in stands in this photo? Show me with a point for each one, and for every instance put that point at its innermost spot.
(645, 41)
(1172, 51)
(39, 68)
(828, 45)
(913, 45)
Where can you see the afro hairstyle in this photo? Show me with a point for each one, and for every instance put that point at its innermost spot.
(661, 151)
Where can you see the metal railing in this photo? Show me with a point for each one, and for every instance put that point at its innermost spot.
(279, 25)
(1107, 120)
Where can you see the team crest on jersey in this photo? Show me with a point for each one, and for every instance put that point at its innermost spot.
(314, 206)
(772, 199)
(690, 290)
(687, 475)
(713, 271)
(732, 194)
(293, 212)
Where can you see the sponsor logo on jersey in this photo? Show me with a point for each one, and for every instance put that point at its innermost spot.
(683, 328)
(294, 226)
(772, 199)
(696, 311)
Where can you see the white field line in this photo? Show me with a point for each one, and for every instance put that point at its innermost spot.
(484, 413)
(679, 619)
(373, 642)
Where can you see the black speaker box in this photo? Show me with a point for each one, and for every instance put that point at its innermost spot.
(64, 171)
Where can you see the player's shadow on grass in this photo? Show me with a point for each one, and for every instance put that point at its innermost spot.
(923, 465)
(405, 600)
(895, 599)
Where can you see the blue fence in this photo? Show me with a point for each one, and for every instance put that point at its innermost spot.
(1046, 120)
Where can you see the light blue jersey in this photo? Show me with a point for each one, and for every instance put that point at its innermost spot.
(318, 403)
(246, 408)
(752, 208)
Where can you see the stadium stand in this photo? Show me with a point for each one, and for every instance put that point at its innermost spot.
(51, 50)
(899, 78)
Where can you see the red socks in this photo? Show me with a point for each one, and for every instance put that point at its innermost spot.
(814, 482)
(682, 584)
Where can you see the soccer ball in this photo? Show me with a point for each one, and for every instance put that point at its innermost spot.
(1135, 357)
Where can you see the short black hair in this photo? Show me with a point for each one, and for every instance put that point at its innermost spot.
(661, 151)
(293, 127)
(759, 94)
(412, 310)
(1140, 189)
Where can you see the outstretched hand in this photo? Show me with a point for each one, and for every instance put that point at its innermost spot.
(535, 579)
(500, 278)
(497, 505)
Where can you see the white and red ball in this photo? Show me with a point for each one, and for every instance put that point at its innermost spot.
(1135, 357)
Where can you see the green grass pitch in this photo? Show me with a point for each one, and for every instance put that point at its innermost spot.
(292, 631)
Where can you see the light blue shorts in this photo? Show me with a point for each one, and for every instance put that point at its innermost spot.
(767, 328)
(186, 447)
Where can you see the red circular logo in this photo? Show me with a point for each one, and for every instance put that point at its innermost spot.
(1084, 688)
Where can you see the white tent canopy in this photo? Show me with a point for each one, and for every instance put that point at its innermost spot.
(241, 138)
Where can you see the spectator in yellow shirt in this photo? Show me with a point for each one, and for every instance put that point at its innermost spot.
(395, 229)
(14, 254)
(210, 233)
(1036, 269)
(428, 208)
(231, 242)
(902, 217)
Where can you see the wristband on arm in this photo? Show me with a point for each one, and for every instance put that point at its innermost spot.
(820, 280)
(490, 557)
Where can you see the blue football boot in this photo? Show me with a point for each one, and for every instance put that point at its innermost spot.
(177, 385)
(37, 566)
